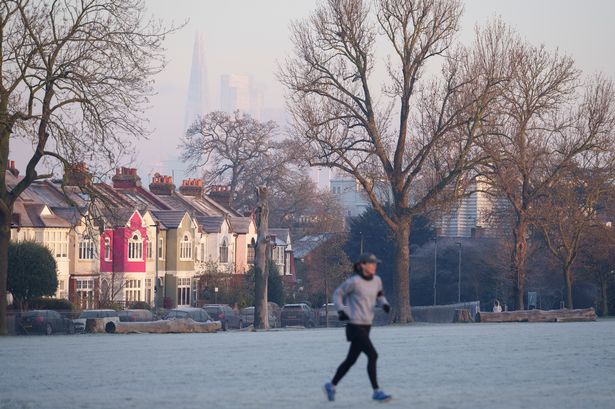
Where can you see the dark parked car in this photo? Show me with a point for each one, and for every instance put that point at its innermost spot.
(45, 322)
(298, 314)
(136, 315)
(197, 314)
(225, 314)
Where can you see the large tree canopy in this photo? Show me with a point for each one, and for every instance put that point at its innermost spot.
(32, 272)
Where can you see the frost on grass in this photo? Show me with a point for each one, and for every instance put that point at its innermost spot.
(477, 366)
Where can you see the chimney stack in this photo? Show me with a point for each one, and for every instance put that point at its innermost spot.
(10, 166)
(78, 175)
(220, 194)
(162, 185)
(191, 187)
(126, 178)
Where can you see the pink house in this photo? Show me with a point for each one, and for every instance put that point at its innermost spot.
(123, 247)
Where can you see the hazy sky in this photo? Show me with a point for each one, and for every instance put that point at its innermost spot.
(250, 36)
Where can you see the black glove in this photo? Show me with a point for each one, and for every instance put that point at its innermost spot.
(386, 308)
(343, 316)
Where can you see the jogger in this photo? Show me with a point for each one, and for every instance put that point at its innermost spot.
(360, 294)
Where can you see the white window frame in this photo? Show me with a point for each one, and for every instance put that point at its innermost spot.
(185, 248)
(184, 288)
(149, 249)
(160, 248)
(135, 247)
(86, 248)
(57, 242)
(223, 250)
(107, 248)
(132, 290)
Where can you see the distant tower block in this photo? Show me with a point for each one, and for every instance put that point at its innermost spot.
(198, 91)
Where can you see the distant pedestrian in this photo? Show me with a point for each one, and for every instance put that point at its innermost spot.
(360, 293)
(497, 307)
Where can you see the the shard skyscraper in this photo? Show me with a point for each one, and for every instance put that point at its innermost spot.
(198, 91)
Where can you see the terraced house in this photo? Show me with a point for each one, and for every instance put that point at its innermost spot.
(116, 243)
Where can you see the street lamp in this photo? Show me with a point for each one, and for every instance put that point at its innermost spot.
(215, 295)
(156, 250)
(459, 277)
(435, 268)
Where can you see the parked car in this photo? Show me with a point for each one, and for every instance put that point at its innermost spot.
(298, 314)
(197, 314)
(136, 315)
(45, 322)
(106, 315)
(247, 316)
(225, 314)
(329, 309)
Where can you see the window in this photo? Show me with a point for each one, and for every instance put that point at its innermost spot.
(278, 255)
(62, 289)
(107, 248)
(57, 242)
(223, 256)
(86, 248)
(149, 249)
(160, 249)
(148, 290)
(135, 247)
(85, 292)
(202, 252)
(251, 254)
(185, 248)
(183, 291)
(132, 290)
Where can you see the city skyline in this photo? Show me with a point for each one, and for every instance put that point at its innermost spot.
(257, 39)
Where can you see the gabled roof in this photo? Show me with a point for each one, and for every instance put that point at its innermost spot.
(240, 225)
(211, 224)
(38, 215)
(117, 217)
(171, 219)
(282, 236)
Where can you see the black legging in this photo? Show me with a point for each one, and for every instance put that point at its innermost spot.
(358, 335)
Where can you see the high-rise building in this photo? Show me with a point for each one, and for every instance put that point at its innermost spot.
(235, 93)
(197, 103)
(239, 93)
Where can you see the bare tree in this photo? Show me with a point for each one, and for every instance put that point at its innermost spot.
(566, 215)
(226, 146)
(75, 78)
(535, 137)
(409, 140)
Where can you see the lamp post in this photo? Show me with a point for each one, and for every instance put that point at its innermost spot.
(459, 276)
(215, 295)
(155, 249)
(435, 269)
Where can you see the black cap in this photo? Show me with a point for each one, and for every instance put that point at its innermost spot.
(368, 258)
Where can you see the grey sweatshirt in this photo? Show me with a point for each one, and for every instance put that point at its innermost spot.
(361, 296)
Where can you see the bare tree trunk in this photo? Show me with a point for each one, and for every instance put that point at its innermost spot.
(5, 237)
(519, 255)
(402, 272)
(261, 316)
(567, 270)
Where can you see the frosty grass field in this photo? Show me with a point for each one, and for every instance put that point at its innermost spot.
(424, 366)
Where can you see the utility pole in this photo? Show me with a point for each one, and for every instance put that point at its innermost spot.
(435, 268)
(459, 277)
